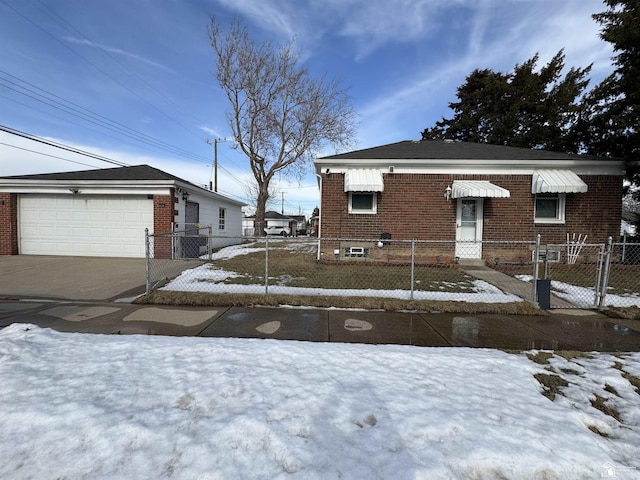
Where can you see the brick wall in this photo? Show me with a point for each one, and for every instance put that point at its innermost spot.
(163, 214)
(413, 206)
(9, 224)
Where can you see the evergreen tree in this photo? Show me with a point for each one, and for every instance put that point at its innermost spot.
(611, 121)
(524, 108)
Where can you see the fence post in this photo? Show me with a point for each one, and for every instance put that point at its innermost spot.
(210, 241)
(266, 265)
(413, 263)
(536, 269)
(605, 276)
(598, 286)
(147, 273)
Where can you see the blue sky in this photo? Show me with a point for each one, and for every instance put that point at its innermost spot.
(132, 80)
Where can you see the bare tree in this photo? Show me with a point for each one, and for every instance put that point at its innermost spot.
(279, 114)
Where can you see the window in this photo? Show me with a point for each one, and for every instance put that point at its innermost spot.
(362, 202)
(550, 208)
(221, 215)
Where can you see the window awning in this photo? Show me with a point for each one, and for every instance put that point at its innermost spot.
(557, 181)
(363, 180)
(478, 189)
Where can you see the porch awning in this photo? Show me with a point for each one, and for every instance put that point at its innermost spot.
(363, 180)
(478, 189)
(557, 181)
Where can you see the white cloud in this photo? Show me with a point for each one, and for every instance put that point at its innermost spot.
(117, 51)
(24, 157)
(496, 42)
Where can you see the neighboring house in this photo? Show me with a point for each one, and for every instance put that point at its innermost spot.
(272, 219)
(105, 212)
(465, 193)
(301, 223)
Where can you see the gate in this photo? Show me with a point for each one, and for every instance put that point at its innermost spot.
(577, 272)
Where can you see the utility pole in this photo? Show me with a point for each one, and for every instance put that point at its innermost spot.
(282, 208)
(214, 167)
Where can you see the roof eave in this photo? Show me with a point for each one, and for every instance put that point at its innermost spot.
(454, 165)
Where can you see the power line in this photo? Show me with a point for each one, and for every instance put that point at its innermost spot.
(115, 59)
(90, 116)
(98, 120)
(97, 67)
(77, 151)
(61, 146)
(47, 155)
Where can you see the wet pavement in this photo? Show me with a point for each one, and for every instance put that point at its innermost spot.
(557, 330)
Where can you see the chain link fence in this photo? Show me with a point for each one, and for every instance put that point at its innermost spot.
(579, 275)
(622, 287)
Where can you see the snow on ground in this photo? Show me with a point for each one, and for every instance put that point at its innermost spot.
(204, 277)
(209, 278)
(111, 407)
(583, 297)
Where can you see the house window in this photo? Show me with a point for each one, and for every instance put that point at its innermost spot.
(550, 208)
(221, 216)
(362, 202)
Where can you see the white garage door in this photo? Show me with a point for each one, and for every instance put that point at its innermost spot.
(84, 225)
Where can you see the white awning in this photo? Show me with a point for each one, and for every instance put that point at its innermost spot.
(478, 189)
(557, 181)
(363, 180)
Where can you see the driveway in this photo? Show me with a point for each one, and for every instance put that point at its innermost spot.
(71, 278)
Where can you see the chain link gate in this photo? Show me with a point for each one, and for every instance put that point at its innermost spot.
(577, 272)
(622, 279)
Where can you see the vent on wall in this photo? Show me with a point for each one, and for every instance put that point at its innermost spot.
(551, 256)
(356, 252)
(390, 168)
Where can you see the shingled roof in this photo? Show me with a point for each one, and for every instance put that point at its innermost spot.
(453, 150)
(134, 173)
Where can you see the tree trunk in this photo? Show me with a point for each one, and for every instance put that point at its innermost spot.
(261, 205)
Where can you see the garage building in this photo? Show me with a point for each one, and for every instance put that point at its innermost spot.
(105, 212)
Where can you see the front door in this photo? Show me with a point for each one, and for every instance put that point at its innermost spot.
(469, 228)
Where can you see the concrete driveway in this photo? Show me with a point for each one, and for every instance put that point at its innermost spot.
(71, 278)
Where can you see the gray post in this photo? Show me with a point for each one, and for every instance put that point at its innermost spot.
(210, 241)
(146, 263)
(536, 269)
(413, 258)
(605, 277)
(599, 269)
(266, 265)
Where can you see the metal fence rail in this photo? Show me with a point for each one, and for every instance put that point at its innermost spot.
(580, 276)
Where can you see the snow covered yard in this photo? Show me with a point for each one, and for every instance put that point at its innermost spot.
(293, 271)
(94, 406)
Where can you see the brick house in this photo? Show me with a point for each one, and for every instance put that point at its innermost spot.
(105, 212)
(464, 193)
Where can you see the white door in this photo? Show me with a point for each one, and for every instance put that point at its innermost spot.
(84, 225)
(469, 228)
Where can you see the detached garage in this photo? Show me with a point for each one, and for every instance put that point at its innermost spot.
(105, 212)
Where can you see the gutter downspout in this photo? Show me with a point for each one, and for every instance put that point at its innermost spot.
(319, 215)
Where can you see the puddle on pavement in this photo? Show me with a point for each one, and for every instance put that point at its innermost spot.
(79, 314)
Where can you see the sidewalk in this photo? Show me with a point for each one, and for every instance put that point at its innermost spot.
(558, 330)
(510, 285)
